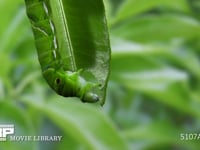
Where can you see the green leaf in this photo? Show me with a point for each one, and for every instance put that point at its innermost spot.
(10, 38)
(76, 32)
(133, 54)
(108, 9)
(86, 124)
(167, 86)
(136, 7)
(6, 66)
(158, 28)
(175, 53)
(12, 114)
(153, 77)
(68, 143)
(10, 7)
(160, 133)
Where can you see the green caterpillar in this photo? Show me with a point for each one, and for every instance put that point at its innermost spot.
(55, 57)
(70, 84)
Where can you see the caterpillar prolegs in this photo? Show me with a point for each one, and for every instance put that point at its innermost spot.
(51, 21)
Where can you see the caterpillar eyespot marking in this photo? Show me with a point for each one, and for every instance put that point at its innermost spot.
(57, 81)
(68, 83)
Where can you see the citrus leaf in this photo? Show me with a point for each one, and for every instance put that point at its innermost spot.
(135, 7)
(158, 28)
(160, 132)
(72, 36)
(85, 123)
(11, 114)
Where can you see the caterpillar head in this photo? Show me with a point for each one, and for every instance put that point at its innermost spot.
(70, 84)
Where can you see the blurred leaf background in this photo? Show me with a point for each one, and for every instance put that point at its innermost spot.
(154, 89)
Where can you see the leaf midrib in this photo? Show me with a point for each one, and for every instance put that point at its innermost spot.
(66, 29)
